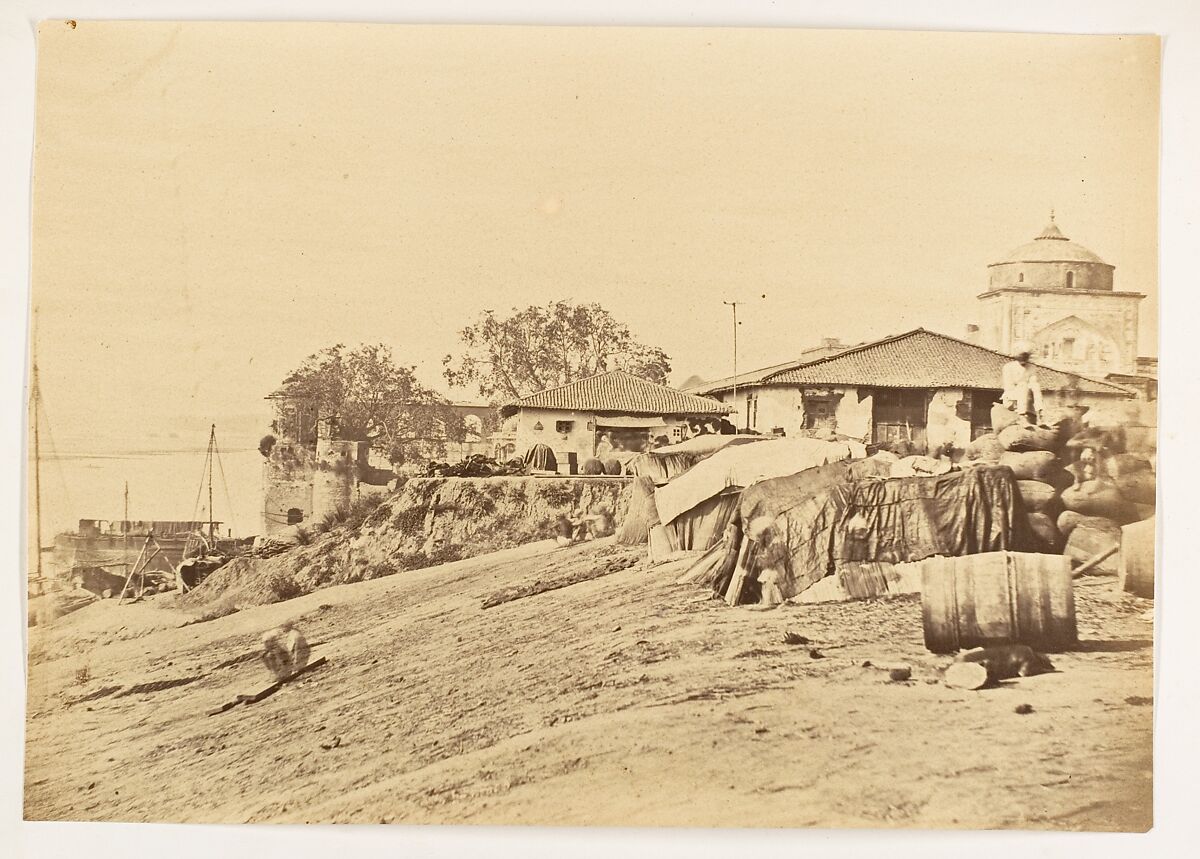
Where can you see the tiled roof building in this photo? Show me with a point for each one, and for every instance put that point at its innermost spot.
(619, 392)
(613, 415)
(925, 359)
(920, 387)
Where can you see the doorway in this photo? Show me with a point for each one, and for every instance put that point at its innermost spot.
(981, 411)
(820, 413)
(899, 415)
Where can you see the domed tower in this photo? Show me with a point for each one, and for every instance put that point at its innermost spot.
(1057, 296)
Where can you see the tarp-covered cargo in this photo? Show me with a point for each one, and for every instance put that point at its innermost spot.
(698, 530)
(799, 528)
(669, 462)
(780, 494)
(746, 464)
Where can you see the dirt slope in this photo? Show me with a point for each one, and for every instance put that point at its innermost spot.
(428, 521)
(625, 699)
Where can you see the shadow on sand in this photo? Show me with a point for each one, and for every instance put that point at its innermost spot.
(1120, 645)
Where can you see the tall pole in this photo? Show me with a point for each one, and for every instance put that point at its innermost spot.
(734, 305)
(125, 531)
(212, 443)
(35, 395)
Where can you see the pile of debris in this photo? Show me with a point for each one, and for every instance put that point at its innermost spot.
(269, 547)
(477, 465)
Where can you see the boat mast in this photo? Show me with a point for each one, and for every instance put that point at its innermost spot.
(125, 532)
(35, 395)
(212, 444)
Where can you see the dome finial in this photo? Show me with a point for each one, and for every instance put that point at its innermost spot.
(1052, 231)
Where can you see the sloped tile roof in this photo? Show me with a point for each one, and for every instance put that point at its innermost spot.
(756, 377)
(924, 359)
(753, 377)
(621, 393)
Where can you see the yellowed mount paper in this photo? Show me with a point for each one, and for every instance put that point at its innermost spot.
(427, 418)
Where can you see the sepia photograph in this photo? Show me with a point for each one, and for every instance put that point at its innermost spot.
(592, 426)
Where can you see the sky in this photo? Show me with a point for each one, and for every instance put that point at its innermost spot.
(214, 202)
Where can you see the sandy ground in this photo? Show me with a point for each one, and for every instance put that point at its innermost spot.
(624, 700)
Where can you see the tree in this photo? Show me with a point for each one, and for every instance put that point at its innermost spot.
(367, 396)
(266, 444)
(540, 347)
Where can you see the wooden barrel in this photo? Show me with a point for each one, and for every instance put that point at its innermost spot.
(997, 598)
(1135, 568)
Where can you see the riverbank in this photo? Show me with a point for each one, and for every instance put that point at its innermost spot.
(598, 691)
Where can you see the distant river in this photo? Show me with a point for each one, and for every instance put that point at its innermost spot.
(163, 484)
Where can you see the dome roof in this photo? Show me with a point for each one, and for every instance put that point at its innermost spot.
(1051, 246)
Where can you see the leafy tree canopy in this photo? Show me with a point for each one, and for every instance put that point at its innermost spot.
(540, 347)
(368, 397)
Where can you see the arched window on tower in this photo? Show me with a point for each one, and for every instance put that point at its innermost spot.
(1020, 277)
(1070, 280)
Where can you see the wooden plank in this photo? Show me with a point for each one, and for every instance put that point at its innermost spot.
(740, 573)
(865, 579)
(267, 691)
(728, 563)
(1097, 559)
(133, 570)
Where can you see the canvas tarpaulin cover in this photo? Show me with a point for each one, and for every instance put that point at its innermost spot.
(822, 521)
(745, 465)
(699, 529)
(669, 462)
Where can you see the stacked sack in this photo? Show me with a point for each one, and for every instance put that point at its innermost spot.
(1079, 485)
